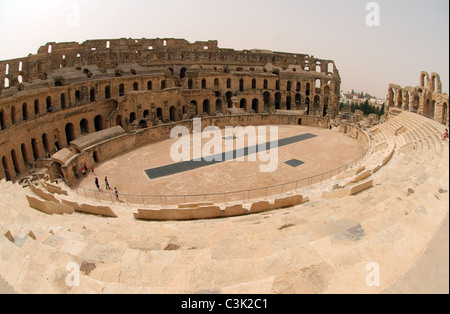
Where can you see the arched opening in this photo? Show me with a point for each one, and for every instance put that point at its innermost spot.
(277, 85)
(423, 80)
(406, 103)
(299, 121)
(63, 100)
(45, 144)
(13, 115)
(146, 113)
(70, 133)
(444, 116)
(253, 83)
(255, 105)
(216, 83)
(219, 106)
(243, 104)
(108, 92)
(289, 86)
(229, 83)
(36, 107)
(307, 104)
(159, 114)
(400, 99)
(24, 111)
(135, 86)
(299, 85)
(325, 110)
(277, 101)
(416, 103)
(15, 162)
(163, 84)
(298, 100)
(228, 96)
(203, 83)
(308, 89)
(190, 84)
(266, 99)
(84, 127)
(95, 157)
(2, 120)
(92, 95)
(289, 103)
(241, 85)
(132, 117)
(266, 84)
(206, 107)
(6, 170)
(121, 90)
(433, 83)
(183, 73)
(193, 108)
(98, 123)
(173, 114)
(119, 120)
(23, 150)
(316, 103)
(330, 68)
(35, 149)
(49, 104)
(149, 85)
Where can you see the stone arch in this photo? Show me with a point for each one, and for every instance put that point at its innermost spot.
(173, 114)
(159, 114)
(121, 90)
(2, 120)
(35, 149)
(45, 143)
(288, 103)
(98, 123)
(277, 101)
(266, 99)
(206, 107)
(444, 113)
(243, 104)
(13, 115)
(424, 79)
(132, 117)
(24, 111)
(6, 170)
(24, 151)
(84, 127)
(70, 133)
(119, 120)
(255, 105)
(219, 107)
(15, 162)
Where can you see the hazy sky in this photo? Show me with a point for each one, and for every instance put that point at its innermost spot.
(412, 36)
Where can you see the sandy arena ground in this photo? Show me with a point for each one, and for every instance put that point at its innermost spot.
(328, 151)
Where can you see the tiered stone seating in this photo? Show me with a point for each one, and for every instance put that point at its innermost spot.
(320, 246)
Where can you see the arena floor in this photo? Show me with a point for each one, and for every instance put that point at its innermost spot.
(322, 152)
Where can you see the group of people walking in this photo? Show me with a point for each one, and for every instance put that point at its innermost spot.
(97, 183)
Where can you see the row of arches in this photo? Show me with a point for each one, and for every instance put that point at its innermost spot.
(418, 102)
(82, 95)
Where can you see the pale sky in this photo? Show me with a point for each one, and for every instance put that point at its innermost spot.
(413, 34)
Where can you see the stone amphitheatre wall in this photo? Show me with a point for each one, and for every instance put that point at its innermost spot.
(427, 99)
(69, 90)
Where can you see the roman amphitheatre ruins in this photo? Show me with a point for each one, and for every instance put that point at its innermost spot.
(349, 191)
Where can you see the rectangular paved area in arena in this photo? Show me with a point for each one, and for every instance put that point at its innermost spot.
(180, 167)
